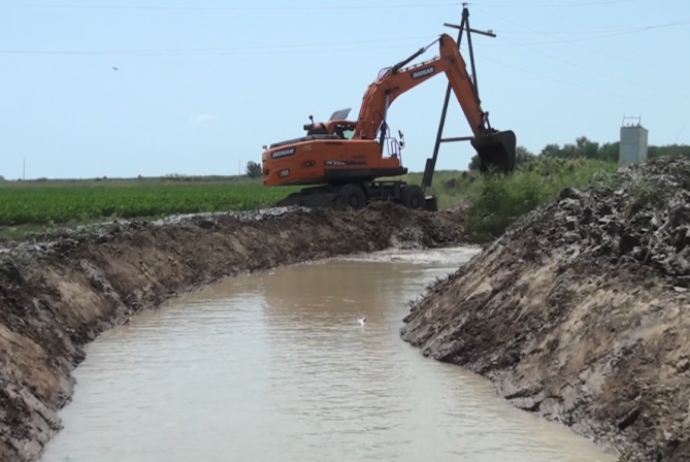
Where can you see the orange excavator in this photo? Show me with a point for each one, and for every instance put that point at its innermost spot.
(341, 159)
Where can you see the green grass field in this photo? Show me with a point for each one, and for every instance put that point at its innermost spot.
(51, 204)
(496, 201)
(38, 203)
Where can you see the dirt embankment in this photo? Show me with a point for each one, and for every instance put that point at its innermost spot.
(57, 295)
(581, 313)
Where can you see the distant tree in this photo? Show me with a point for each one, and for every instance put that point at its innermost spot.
(253, 169)
(523, 155)
(607, 151)
(669, 150)
(474, 163)
(585, 148)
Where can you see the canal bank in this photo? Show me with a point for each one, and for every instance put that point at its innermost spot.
(580, 313)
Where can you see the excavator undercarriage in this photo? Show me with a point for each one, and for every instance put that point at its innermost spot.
(341, 161)
(358, 195)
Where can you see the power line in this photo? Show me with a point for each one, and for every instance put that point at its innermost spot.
(553, 5)
(338, 7)
(594, 50)
(297, 7)
(602, 73)
(612, 33)
(564, 82)
(596, 37)
(197, 52)
(303, 7)
(576, 32)
(285, 49)
(267, 49)
(228, 8)
(240, 50)
(368, 49)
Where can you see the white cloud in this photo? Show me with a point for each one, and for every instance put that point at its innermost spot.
(202, 118)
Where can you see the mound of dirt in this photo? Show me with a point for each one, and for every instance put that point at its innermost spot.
(580, 313)
(59, 293)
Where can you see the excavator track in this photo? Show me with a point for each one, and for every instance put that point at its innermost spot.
(321, 197)
(359, 195)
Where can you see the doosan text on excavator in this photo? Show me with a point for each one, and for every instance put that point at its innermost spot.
(341, 160)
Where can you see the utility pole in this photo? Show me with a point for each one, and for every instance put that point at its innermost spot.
(24, 170)
(463, 27)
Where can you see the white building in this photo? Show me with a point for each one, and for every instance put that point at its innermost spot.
(633, 143)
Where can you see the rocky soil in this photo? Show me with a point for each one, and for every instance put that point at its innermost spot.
(59, 292)
(581, 313)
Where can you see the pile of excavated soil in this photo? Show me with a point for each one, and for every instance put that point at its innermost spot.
(58, 294)
(581, 313)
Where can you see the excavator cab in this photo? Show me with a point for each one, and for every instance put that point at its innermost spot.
(344, 129)
(497, 150)
(336, 125)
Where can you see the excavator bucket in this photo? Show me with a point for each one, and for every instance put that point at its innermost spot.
(496, 150)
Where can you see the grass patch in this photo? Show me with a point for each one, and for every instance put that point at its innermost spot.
(450, 187)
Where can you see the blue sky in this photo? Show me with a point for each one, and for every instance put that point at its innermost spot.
(203, 84)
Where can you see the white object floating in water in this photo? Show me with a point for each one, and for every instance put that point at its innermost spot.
(362, 321)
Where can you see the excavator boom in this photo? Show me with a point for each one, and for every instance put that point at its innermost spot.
(494, 148)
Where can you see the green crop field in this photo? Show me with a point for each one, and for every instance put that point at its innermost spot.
(50, 204)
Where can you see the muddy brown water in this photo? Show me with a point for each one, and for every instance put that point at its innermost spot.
(275, 366)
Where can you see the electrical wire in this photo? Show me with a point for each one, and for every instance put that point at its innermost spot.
(586, 39)
(328, 46)
(330, 49)
(577, 66)
(322, 7)
(229, 8)
(564, 82)
(553, 5)
(303, 7)
(574, 32)
(202, 52)
(594, 50)
(501, 64)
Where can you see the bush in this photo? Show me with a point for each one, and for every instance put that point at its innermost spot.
(499, 201)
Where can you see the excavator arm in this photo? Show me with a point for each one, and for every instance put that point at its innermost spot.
(494, 148)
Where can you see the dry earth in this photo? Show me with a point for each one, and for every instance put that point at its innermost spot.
(58, 294)
(581, 313)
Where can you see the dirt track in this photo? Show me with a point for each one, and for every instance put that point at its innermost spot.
(580, 313)
(56, 296)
